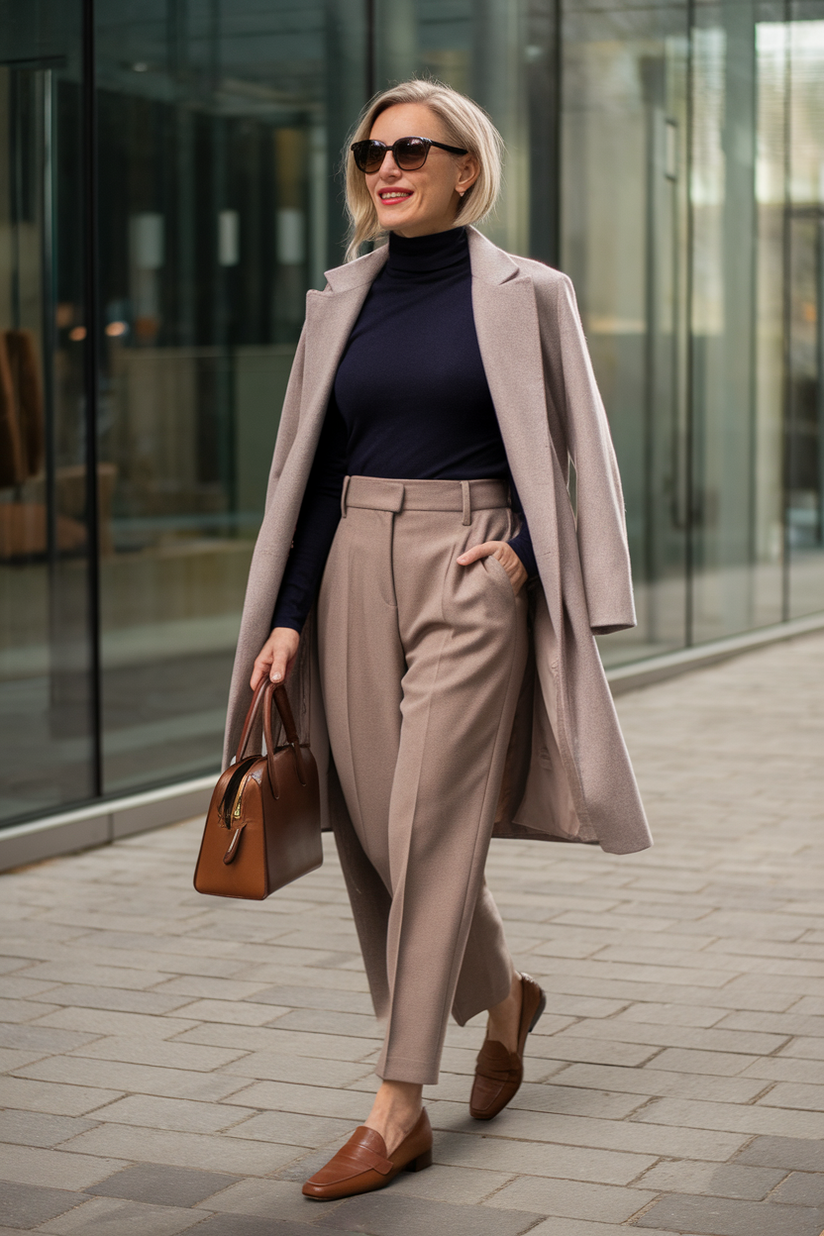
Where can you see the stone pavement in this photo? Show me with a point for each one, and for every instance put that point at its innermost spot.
(173, 1063)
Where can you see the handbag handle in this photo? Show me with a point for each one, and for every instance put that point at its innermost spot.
(276, 693)
(251, 715)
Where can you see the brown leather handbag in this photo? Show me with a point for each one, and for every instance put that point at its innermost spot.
(263, 826)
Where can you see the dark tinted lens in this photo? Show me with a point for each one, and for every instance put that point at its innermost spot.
(411, 152)
(369, 155)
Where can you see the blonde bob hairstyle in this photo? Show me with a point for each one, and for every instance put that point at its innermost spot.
(465, 124)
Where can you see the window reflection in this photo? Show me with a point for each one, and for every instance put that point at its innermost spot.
(215, 173)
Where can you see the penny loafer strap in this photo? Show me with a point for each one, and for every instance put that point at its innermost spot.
(495, 1062)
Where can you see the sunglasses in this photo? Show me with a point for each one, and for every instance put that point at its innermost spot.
(409, 153)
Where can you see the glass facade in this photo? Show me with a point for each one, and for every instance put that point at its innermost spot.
(168, 192)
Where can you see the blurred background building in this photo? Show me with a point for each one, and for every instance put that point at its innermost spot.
(168, 192)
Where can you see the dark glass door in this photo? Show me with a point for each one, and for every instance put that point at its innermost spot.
(47, 713)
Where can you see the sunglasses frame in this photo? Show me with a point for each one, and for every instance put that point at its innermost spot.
(428, 143)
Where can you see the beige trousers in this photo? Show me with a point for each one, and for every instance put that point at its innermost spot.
(421, 665)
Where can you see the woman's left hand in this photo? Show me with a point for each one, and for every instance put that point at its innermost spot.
(507, 557)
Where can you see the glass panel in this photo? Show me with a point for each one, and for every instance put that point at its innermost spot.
(624, 231)
(805, 314)
(724, 232)
(768, 470)
(46, 686)
(220, 129)
(502, 53)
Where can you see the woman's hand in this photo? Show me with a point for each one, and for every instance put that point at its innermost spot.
(276, 657)
(507, 557)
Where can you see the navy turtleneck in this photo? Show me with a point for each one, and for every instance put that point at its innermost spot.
(410, 401)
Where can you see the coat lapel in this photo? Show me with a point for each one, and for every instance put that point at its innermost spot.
(330, 317)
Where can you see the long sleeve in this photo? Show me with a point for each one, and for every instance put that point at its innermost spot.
(522, 541)
(316, 526)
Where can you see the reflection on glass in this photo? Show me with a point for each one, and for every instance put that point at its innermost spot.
(624, 216)
(804, 98)
(47, 735)
(220, 127)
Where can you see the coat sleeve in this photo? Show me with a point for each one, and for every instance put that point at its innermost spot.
(601, 523)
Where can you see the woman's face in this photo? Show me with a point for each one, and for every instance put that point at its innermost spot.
(424, 201)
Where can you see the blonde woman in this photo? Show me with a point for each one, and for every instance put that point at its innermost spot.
(421, 580)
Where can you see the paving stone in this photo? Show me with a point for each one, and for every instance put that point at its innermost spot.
(310, 1100)
(232, 1012)
(511, 1157)
(16, 1011)
(583, 1227)
(312, 998)
(55, 1168)
(106, 1021)
(779, 1068)
(574, 1101)
(113, 998)
(57, 1099)
(198, 1150)
(720, 1063)
(322, 1022)
(39, 1129)
(802, 1189)
(275, 1041)
(42, 1038)
(137, 1078)
(303, 1070)
(572, 1199)
(162, 1185)
(264, 1199)
(733, 1117)
(26, 1206)
(722, 1217)
(591, 1051)
(699, 1038)
(177, 1055)
(601, 1134)
(792, 1153)
(805, 1049)
(104, 1216)
(292, 1129)
(719, 1180)
(18, 987)
(206, 987)
(653, 1081)
(458, 1185)
(184, 1114)
(789, 1095)
(391, 1214)
(247, 1225)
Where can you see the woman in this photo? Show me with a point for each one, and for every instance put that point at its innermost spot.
(438, 392)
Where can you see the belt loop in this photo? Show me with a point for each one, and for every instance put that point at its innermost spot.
(467, 504)
(343, 494)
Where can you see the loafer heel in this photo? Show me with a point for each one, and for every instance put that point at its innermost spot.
(422, 1161)
(539, 1012)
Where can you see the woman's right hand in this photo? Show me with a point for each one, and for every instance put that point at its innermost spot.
(276, 657)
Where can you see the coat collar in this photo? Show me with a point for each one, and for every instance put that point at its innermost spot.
(489, 264)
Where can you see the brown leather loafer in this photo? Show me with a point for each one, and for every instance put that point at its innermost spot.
(498, 1072)
(363, 1165)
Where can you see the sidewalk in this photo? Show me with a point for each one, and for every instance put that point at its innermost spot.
(173, 1063)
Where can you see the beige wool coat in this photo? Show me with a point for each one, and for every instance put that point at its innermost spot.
(568, 775)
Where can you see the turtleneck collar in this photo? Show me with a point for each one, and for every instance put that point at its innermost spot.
(438, 254)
